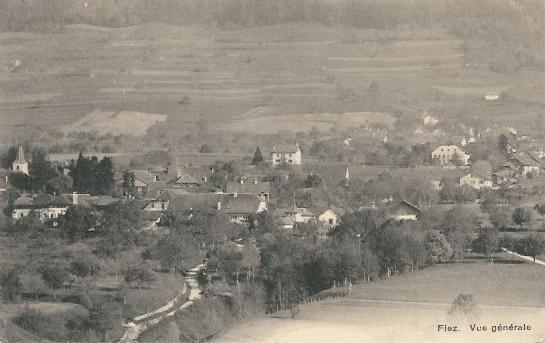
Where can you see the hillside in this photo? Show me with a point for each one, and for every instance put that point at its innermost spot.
(246, 78)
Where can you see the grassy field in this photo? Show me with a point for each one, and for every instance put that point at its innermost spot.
(409, 308)
(221, 75)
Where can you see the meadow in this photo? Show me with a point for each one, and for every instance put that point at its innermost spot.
(408, 308)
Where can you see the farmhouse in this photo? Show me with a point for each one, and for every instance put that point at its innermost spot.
(476, 180)
(44, 206)
(331, 216)
(527, 163)
(290, 154)
(184, 180)
(290, 217)
(446, 154)
(20, 165)
(160, 203)
(145, 179)
(404, 210)
(238, 207)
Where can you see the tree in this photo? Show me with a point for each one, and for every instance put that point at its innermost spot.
(521, 216)
(128, 184)
(139, 275)
(11, 283)
(503, 142)
(438, 247)
(33, 285)
(487, 242)
(8, 158)
(532, 245)
(78, 222)
(54, 277)
(258, 157)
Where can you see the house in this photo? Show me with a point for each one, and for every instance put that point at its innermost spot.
(476, 181)
(45, 206)
(290, 217)
(290, 154)
(184, 180)
(20, 165)
(430, 120)
(262, 189)
(331, 216)
(160, 203)
(237, 207)
(446, 154)
(527, 163)
(404, 210)
(492, 97)
(149, 182)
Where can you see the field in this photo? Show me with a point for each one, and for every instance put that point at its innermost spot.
(409, 308)
(243, 80)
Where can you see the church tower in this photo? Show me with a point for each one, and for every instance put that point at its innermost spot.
(20, 164)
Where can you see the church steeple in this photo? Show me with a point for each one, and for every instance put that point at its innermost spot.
(20, 164)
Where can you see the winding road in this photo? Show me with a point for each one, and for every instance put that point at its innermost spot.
(142, 322)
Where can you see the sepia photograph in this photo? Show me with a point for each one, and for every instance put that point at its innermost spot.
(272, 171)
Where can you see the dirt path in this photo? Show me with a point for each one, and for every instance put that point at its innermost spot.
(526, 258)
(142, 322)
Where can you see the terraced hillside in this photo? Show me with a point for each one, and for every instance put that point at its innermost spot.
(243, 79)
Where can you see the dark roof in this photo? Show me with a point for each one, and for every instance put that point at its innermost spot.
(185, 178)
(169, 194)
(91, 200)
(285, 148)
(404, 204)
(145, 176)
(248, 187)
(241, 204)
(526, 159)
(40, 201)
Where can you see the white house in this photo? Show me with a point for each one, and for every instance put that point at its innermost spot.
(403, 211)
(331, 216)
(476, 181)
(44, 206)
(446, 154)
(290, 154)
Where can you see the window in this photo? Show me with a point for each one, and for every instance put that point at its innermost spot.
(330, 220)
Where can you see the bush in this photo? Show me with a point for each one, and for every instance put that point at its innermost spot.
(56, 327)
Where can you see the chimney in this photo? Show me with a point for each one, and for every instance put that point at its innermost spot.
(255, 182)
(74, 198)
(241, 181)
(219, 205)
(179, 173)
(235, 193)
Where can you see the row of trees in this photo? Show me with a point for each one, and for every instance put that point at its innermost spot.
(91, 175)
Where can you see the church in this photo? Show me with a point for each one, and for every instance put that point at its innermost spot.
(20, 165)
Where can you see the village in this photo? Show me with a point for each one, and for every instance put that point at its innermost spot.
(271, 171)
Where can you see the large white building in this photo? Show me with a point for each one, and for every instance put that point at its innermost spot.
(290, 154)
(446, 154)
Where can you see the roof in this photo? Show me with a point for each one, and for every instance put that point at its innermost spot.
(230, 204)
(169, 194)
(248, 187)
(40, 201)
(92, 200)
(526, 159)
(404, 204)
(290, 211)
(285, 148)
(145, 176)
(185, 178)
(20, 155)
